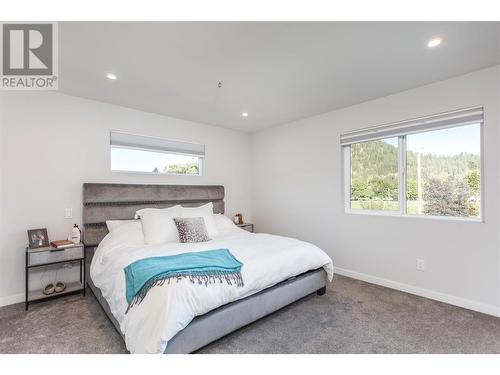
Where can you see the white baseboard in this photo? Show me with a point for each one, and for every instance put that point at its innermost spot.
(442, 297)
(10, 300)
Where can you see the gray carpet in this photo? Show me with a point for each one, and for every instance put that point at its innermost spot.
(353, 317)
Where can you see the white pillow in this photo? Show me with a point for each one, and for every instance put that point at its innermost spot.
(115, 224)
(158, 225)
(224, 224)
(207, 213)
(129, 231)
(138, 213)
(126, 233)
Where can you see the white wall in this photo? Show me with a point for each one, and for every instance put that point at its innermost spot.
(297, 191)
(50, 144)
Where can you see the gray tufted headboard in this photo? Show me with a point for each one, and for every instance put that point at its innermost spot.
(103, 202)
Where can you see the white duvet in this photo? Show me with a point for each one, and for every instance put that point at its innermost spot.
(167, 309)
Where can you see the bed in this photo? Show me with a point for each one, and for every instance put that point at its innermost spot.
(102, 202)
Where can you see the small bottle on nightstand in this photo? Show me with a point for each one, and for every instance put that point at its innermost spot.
(75, 235)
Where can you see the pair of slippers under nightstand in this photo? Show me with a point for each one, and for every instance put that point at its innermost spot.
(51, 288)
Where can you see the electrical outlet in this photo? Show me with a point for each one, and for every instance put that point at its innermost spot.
(68, 213)
(420, 265)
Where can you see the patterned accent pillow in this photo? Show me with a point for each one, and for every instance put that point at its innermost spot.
(191, 229)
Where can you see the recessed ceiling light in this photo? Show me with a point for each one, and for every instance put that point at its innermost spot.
(111, 76)
(434, 42)
(245, 114)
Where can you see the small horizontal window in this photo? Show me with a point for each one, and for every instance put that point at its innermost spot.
(133, 153)
(430, 167)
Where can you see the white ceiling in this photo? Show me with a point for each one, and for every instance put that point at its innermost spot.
(275, 71)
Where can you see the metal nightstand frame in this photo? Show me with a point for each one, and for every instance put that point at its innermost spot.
(81, 289)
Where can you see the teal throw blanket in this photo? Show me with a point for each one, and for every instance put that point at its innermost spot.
(203, 267)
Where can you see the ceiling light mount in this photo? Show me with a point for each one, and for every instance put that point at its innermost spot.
(111, 76)
(244, 114)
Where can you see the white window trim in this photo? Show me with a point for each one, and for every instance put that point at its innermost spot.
(201, 158)
(346, 163)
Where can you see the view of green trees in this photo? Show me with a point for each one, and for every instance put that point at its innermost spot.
(189, 168)
(450, 184)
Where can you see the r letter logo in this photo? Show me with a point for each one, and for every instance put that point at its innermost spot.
(29, 56)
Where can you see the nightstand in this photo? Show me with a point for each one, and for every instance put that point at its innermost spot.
(48, 256)
(246, 226)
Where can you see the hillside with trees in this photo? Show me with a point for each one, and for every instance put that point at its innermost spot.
(450, 183)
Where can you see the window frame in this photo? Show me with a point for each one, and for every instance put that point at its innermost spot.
(201, 159)
(402, 172)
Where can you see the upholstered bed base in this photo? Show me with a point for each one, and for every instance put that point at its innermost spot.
(103, 202)
(217, 323)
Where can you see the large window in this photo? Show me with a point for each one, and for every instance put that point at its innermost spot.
(134, 153)
(427, 167)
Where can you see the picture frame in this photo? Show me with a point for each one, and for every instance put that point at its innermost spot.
(38, 238)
